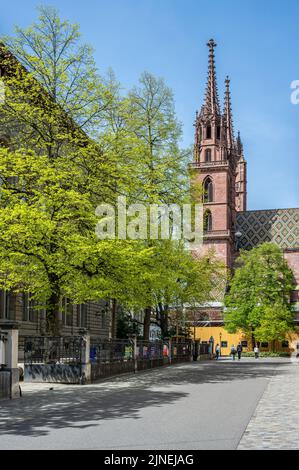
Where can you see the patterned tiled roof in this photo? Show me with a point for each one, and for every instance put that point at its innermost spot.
(280, 226)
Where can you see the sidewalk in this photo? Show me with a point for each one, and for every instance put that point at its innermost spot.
(275, 422)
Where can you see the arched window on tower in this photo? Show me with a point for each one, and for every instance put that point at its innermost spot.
(208, 155)
(208, 190)
(207, 221)
(218, 132)
(208, 131)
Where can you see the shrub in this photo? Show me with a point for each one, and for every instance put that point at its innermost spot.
(267, 354)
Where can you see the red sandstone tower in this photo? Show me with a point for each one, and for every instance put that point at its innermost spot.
(220, 167)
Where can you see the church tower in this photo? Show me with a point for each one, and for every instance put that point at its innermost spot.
(219, 166)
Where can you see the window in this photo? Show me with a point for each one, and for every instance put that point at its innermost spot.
(208, 190)
(29, 309)
(244, 344)
(103, 317)
(7, 305)
(284, 344)
(207, 221)
(82, 316)
(218, 132)
(209, 132)
(67, 314)
(208, 155)
(264, 344)
(224, 344)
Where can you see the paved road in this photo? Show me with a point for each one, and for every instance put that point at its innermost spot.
(190, 406)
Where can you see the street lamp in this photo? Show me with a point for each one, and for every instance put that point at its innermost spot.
(211, 346)
(238, 235)
(220, 336)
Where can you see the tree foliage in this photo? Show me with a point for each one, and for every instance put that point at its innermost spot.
(74, 141)
(258, 301)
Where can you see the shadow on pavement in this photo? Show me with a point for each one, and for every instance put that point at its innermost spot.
(123, 397)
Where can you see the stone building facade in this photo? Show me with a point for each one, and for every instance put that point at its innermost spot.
(95, 317)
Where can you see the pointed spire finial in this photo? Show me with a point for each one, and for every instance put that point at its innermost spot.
(228, 114)
(211, 105)
(211, 45)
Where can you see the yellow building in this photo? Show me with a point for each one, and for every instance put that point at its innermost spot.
(226, 340)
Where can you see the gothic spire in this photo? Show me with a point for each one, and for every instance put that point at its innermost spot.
(211, 104)
(228, 115)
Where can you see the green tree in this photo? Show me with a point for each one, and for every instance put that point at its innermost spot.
(48, 245)
(277, 322)
(76, 142)
(56, 102)
(126, 325)
(192, 281)
(258, 301)
(51, 51)
(55, 105)
(163, 168)
(174, 281)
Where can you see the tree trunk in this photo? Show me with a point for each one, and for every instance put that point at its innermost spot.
(53, 309)
(147, 323)
(113, 319)
(163, 320)
(164, 324)
(252, 339)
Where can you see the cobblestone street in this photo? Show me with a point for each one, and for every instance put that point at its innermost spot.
(275, 423)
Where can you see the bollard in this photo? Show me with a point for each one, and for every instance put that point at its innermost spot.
(9, 354)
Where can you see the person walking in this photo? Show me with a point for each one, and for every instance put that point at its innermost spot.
(256, 352)
(217, 351)
(239, 350)
(233, 352)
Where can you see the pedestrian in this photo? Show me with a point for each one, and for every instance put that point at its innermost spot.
(233, 352)
(217, 350)
(256, 352)
(239, 350)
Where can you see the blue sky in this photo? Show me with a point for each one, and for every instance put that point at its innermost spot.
(257, 47)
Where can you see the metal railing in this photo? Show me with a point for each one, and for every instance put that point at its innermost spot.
(114, 357)
(110, 357)
(111, 350)
(58, 359)
(53, 350)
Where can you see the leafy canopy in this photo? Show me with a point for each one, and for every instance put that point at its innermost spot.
(259, 297)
